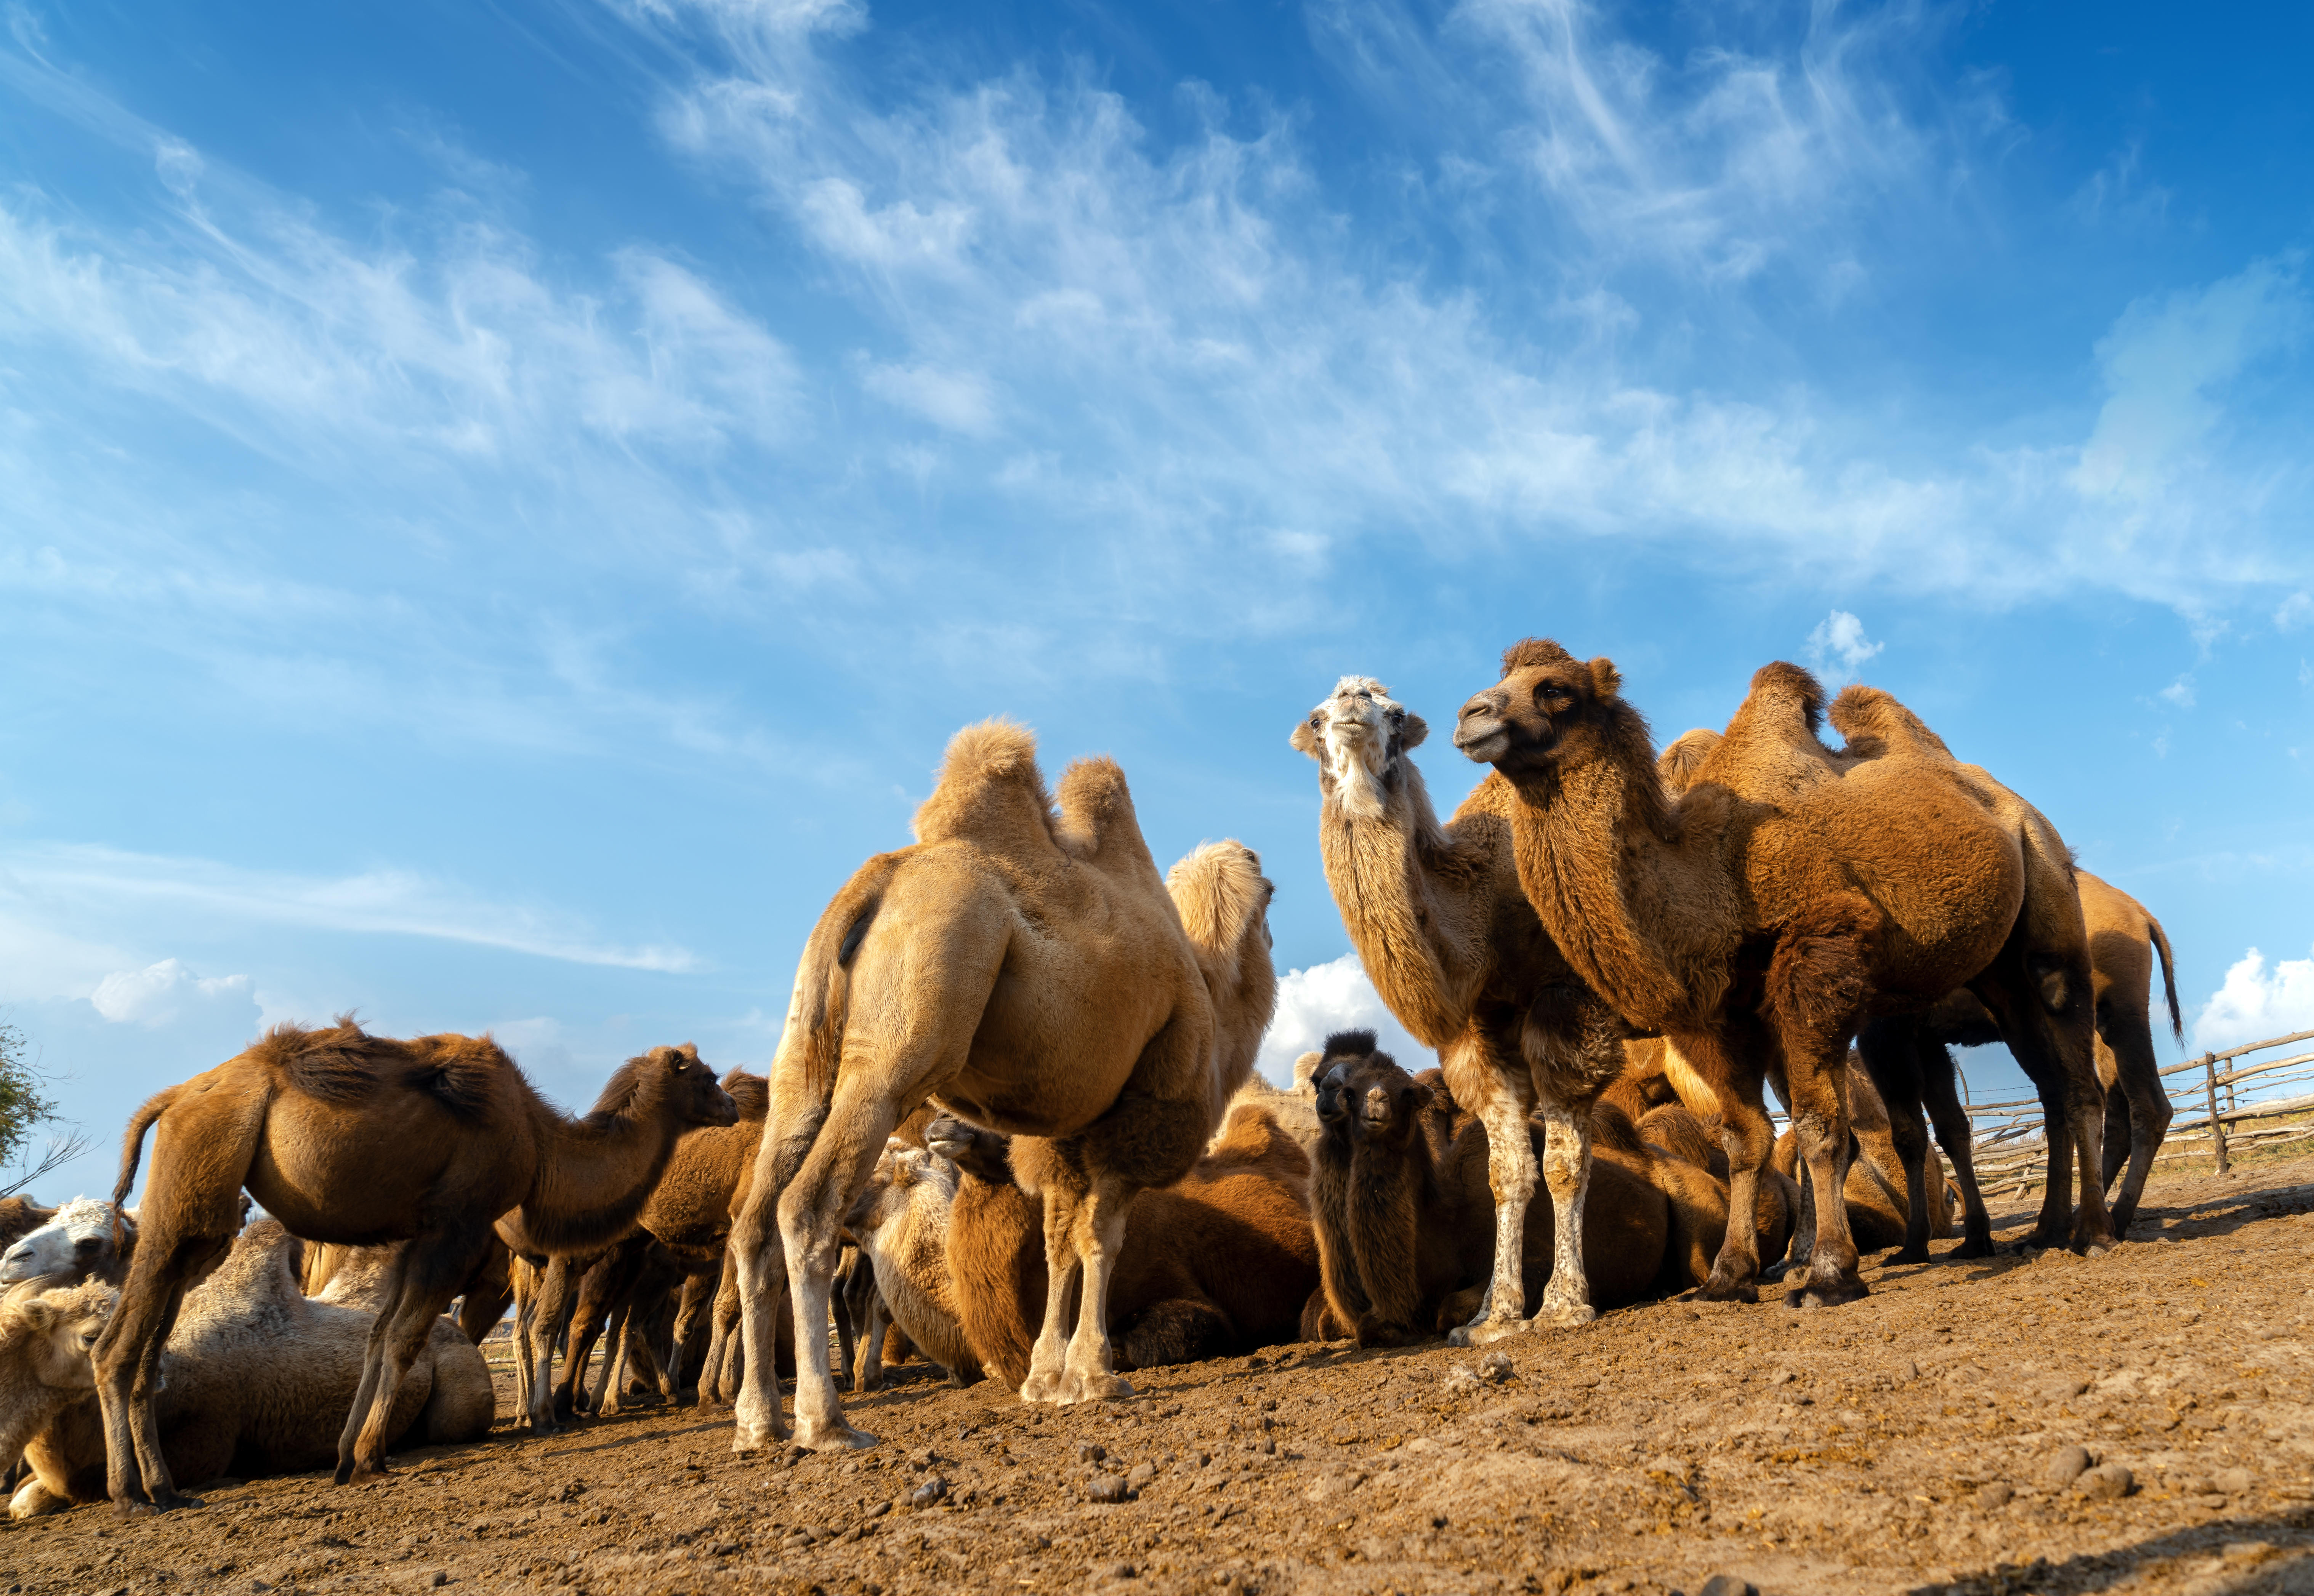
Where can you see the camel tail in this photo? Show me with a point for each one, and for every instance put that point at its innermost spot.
(816, 1011)
(2168, 977)
(132, 1153)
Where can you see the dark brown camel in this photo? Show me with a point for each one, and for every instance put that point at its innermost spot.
(354, 1139)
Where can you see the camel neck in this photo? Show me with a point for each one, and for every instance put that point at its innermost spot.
(1631, 888)
(596, 1173)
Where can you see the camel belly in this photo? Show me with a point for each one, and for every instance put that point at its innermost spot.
(330, 1175)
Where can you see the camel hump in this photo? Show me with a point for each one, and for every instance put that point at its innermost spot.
(337, 1063)
(1221, 893)
(462, 1074)
(990, 790)
(1874, 723)
(1677, 766)
(1096, 822)
(1251, 1138)
(1785, 701)
(750, 1094)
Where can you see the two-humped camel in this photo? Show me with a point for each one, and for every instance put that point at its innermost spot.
(1024, 965)
(1760, 918)
(355, 1139)
(1447, 935)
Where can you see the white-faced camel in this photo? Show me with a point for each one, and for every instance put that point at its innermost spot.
(349, 1138)
(1447, 935)
(1024, 965)
(1760, 918)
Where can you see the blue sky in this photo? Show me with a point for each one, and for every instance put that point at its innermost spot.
(500, 507)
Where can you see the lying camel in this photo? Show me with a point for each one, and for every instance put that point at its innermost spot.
(20, 1216)
(256, 1380)
(1221, 1261)
(484, 1298)
(82, 1241)
(356, 1138)
(46, 1336)
(1022, 963)
(1403, 1207)
(901, 1222)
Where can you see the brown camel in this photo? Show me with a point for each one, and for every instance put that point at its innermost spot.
(1788, 896)
(1406, 1226)
(256, 1380)
(1447, 935)
(355, 1139)
(1220, 1262)
(1023, 965)
(2124, 939)
(1879, 1184)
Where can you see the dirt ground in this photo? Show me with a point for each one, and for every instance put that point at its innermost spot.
(1900, 1444)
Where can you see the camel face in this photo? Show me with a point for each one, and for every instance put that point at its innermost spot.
(1358, 737)
(704, 1101)
(1545, 702)
(75, 1244)
(64, 1327)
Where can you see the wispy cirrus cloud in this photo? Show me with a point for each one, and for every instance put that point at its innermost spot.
(47, 880)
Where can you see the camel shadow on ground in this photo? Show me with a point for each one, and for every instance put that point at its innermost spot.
(2282, 1562)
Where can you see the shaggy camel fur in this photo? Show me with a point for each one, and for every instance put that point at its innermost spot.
(84, 1239)
(1449, 940)
(45, 1340)
(20, 1216)
(256, 1377)
(1022, 963)
(358, 1140)
(901, 1222)
(1221, 1261)
(1404, 1222)
(1788, 896)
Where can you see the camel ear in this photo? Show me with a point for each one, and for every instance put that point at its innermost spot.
(1606, 681)
(1420, 1097)
(1413, 731)
(1304, 739)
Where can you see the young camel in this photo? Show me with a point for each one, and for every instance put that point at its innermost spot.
(1758, 919)
(1448, 938)
(901, 1222)
(354, 1139)
(45, 1340)
(257, 1377)
(85, 1239)
(1221, 1261)
(1023, 965)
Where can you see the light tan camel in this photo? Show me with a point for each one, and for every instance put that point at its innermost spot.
(1024, 965)
(1758, 919)
(350, 1138)
(901, 1222)
(45, 1340)
(256, 1377)
(1445, 933)
(1221, 1261)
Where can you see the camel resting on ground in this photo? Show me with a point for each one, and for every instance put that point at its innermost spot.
(1022, 963)
(84, 1239)
(901, 1222)
(355, 1139)
(46, 1336)
(1221, 1261)
(256, 1380)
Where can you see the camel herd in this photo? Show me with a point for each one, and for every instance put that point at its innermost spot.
(1011, 1128)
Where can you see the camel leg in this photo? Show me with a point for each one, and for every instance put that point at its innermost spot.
(1090, 1370)
(1940, 1089)
(428, 1274)
(2047, 1018)
(601, 1289)
(127, 1357)
(550, 1309)
(759, 1261)
(722, 1319)
(868, 1372)
(1890, 1050)
(1566, 1171)
(521, 1279)
(2137, 1082)
(847, 1335)
(697, 1298)
(1144, 1141)
(1513, 1176)
(611, 1378)
(1048, 1358)
(1749, 1139)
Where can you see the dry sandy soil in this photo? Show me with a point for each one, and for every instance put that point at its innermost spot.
(1900, 1444)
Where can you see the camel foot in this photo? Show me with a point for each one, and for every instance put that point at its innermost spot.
(1043, 1385)
(1484, 1332)
(1909, 1254)
(1825, 1294)
(363, 1473)
(1975, 1246)
(160, 1502)
(1566, 1316)
(129, 1507)
(836, 1437)
(758, 1437)
(1094, 1388)
(1716, 1289)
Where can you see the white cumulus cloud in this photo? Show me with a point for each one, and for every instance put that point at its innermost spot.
(1330, 997)
(2257, 1001)
(159, 993)
(1839, 641)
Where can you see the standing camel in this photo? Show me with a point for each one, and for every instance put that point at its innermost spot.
(355, 1139)
(1449, 941)
(1023, 966)
(1758, 919)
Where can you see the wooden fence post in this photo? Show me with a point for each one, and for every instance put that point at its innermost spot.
(2217, 1129)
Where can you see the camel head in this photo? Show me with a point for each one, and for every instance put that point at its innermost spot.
(674, 1076)
(1359, 736)
(984, 1155)
(1549, 713)
(903, 1175)
(56, 1331)
(76, 1244)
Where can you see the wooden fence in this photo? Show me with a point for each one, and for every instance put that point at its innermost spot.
(2221, 1101)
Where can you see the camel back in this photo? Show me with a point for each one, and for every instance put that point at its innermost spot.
(990, 791)
(343, 1064)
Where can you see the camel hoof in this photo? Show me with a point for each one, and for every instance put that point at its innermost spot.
(1716, 1290)
(130, 1508)
(1825, 1294)
(1484, 1332)
(836, 1437)
(1974, 1248)
(1566, 1316)
(1908, 1254)
(1041, 1388)
(1094, 1388)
